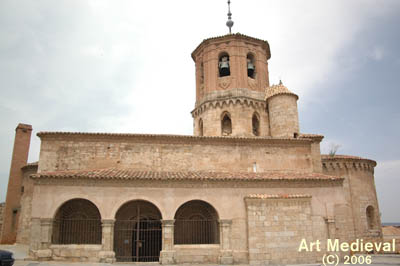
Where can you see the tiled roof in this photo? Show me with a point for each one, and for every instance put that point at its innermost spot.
(311, 136)
(391, 231)
(132, 174)
(167, 137)
(234, 35)
(326, 157)
(277, 196)
(277, 89)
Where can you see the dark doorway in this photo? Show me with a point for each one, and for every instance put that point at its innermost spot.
(137, 232)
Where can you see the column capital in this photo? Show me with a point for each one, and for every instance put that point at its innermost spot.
(168, 222)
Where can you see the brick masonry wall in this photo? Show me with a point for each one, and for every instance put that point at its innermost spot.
(241, 116)
(237, 47)
(13, 205)
(2, 205)
(158, 153)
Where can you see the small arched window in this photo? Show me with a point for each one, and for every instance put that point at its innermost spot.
(200, 127)
(224, 65)
(251, 66)
(226, 124)
(370, 212)
(256, 124)
(201, 73)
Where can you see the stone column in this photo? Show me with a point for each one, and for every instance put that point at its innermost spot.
(35, 235)
(225, 227)
(167, 253)
(330, 222)
(46, 230)
(107, 253)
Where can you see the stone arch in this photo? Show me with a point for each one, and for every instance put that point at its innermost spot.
(137, 232)
(224, 68)
(226, 124)
(255, 122)
(196, 222)
(77, 221)
(371, 220)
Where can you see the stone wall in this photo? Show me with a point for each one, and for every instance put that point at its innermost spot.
(226, 197)
(241, 114)
(283, 115)
(68, 151)
(24, 222)
(276, 227)
(360, 192)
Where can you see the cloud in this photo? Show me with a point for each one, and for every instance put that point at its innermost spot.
(377, 53)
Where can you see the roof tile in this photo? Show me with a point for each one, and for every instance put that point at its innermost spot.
(133, 174)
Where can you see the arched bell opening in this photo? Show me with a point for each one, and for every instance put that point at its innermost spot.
(251, 66)
(224, 65)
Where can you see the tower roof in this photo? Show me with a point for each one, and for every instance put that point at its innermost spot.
(278, 89)
(234, 36)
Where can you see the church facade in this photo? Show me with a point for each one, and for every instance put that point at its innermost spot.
(247, 187)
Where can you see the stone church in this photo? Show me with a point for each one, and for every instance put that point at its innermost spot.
(246, 187)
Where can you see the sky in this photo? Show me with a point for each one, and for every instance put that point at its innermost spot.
(125, 66)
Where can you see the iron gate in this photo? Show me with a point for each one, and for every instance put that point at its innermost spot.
(137, 240)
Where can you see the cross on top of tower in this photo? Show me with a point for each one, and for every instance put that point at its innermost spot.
(229, 23)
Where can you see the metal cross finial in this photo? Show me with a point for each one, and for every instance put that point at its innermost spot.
(229, 23)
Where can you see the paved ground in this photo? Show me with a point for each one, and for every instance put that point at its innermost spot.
(21, 254)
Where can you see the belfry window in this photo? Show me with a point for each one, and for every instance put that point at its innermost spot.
(196, 222)
(226, 124)
(370, 217)
(251, 68)
(223, 65)
(256, 124)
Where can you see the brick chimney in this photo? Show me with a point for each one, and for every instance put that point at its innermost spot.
(19, 159)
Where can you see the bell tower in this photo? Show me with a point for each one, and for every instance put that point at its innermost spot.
(231, 78)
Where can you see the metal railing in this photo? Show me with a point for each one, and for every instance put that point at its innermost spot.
(137, 241)
(74, 231)
(196, 232)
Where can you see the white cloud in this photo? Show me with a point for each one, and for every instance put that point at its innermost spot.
(377, 53)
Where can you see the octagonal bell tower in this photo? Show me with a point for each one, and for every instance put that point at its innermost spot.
(231, 78)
